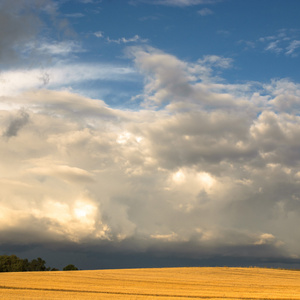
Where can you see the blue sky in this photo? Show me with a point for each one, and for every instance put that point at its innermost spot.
(241, 30)
(261, 38)
(160, 133)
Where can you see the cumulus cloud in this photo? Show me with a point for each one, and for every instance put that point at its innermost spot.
(201, 168)
(169, 78)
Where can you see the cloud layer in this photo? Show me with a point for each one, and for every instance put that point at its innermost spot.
(201, 163)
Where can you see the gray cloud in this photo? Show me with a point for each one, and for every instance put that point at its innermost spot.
(19, 24)
(22, 22)
(16, 124)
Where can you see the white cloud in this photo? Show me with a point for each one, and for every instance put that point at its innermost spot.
(124, 40)
(62, 48)
(75, 15)
(205, 12)
(60, 76)
(90, 1)
(292, 47)
(180, 3)
(273, 46)
(285, 41)
(224, 32)
(98, 34)
(217, 61)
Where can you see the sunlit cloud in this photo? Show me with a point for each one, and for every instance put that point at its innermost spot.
(194, 158)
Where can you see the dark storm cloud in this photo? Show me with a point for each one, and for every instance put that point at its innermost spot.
(125, 255)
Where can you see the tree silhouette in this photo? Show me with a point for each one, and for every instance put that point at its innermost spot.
(70, 268)
(12, 263)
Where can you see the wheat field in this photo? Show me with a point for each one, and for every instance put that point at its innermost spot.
(166, 283)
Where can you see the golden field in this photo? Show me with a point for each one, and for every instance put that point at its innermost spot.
(167, 283)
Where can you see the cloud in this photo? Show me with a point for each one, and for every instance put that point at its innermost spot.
(75, 15)
(124, 40)
(180, 3)
(22, 22)
(19, 24)
(201, 169)
(169, 78)
(57, 49)
(283, 42)
(224, 32)
(60, 76)
(90, 1)
(292, 47)
(205, 12)
(273, 46)
(16, 124)
(216, 61)
(98, 34)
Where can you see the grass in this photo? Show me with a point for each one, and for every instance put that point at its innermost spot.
(167, 283)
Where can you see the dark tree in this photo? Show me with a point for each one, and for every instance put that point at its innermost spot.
(70, 268)
(37, 265)
(12, 263)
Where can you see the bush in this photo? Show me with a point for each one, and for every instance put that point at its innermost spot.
(70, 268)
(12, 263)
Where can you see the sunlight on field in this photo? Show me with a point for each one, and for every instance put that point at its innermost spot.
(168, 283)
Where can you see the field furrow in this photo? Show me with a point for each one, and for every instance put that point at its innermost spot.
(168, 283)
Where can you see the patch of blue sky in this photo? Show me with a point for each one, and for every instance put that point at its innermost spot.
(261, 37)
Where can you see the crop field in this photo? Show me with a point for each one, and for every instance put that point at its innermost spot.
(167, 283)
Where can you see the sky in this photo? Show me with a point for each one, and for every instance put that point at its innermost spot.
(150, 133)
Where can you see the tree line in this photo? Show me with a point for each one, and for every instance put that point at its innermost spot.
(12, 263)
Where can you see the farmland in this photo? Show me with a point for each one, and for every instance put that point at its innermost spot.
(167, 283)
